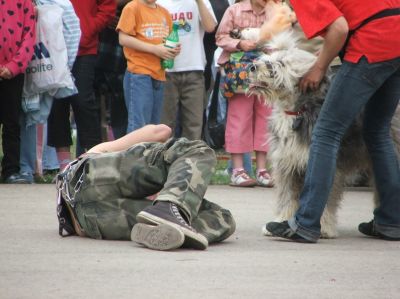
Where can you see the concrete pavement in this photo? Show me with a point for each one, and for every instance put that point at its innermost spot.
(36, 263)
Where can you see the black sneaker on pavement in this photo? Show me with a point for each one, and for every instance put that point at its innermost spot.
(158, 237)
(164, 212)
(283, 230)
(367, 228)
(18, 178)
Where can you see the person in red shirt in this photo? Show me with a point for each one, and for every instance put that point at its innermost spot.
(368, 79)
(94, 16)
(17, 39)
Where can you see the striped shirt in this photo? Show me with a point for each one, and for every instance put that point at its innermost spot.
(71, 28)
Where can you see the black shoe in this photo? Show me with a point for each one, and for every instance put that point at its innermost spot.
(164, 212)
(158, 237)
(367, 228)
(17, 178)
(283, 230)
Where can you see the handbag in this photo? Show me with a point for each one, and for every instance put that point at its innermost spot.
(214, 132)
(48, 70)
(236, 78)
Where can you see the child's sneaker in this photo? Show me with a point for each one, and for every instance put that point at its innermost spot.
(264, 179)
(242, 179)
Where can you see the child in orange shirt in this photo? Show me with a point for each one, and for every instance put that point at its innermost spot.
(142, 28)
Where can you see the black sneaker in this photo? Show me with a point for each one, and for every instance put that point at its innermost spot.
(164, 212)
(283, 230)
(18, 178)
(367, 228)
(158, 237)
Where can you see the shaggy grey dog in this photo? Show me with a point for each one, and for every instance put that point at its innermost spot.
(275, 76)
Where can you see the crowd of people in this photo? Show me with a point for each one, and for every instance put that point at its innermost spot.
(115, 48)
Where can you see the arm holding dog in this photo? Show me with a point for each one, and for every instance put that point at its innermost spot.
(333, 41)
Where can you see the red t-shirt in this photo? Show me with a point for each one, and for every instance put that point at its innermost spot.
(378, 40)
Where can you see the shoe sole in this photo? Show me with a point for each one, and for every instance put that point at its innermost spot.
(378, 236)
(245, 185)
(160, 237)
(192, 239)
(265, 186)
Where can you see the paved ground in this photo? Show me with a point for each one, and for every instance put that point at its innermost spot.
(36, 263)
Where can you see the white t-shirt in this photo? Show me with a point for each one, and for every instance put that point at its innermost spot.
(186, 14)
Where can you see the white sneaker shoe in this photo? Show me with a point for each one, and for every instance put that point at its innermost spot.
(242, 179)
(264, 179)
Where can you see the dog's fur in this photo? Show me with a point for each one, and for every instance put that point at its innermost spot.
(275, 76)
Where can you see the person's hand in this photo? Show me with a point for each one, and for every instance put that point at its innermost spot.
(166, 53)
(5, 73)
(281, 18)
(177, 50)
(247, 45)
(312, 79)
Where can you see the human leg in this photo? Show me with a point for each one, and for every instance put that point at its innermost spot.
(10, 110)
(50, 161)
(27, 151)
(138, 91)
(171, 100)
(353, 86)
(180, 202)
(379, 112)
(118, 113)
(214, 222)
(59, 130)
(192, 104)
(85, 105)
(261, 114)
(157, 101)
(191, 165)
(239, 137)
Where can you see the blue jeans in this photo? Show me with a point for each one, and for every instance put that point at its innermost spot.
(27, 161)
(143, 99)
(28, 150)
(375, 87)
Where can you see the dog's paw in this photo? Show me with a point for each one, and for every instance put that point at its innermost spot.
(328, 233)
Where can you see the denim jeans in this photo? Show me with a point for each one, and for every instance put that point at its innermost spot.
(375, 87)
(28, 149)
(143, 99)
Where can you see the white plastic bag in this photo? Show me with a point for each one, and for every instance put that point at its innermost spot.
(48, 69)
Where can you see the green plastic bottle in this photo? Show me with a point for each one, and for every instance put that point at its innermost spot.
(172, 41)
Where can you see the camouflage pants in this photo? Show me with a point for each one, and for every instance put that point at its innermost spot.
(115, 185)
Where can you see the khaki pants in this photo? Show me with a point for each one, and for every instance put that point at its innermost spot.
(184, 92)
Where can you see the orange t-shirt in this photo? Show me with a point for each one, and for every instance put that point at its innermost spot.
(147, 24)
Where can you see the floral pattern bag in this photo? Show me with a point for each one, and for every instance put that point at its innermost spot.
(236, 73)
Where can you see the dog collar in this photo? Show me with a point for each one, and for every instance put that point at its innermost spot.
(296, 113)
